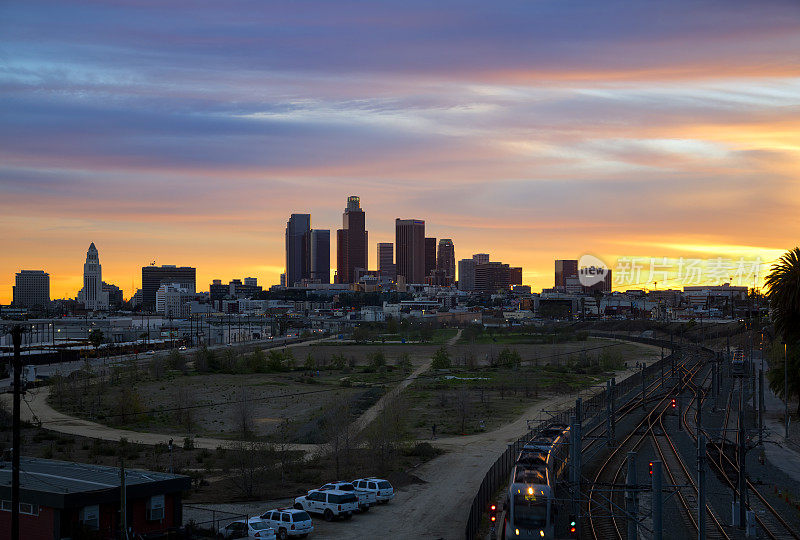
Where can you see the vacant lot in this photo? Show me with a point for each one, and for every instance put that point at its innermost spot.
(488, 386)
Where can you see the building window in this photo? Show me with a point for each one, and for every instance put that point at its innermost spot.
(24, 508)
(155, 508)
(90, 517)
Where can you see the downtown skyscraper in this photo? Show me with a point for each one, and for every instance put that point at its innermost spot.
(410, 249)
(308, 252)
(351, 242)
(298, 239)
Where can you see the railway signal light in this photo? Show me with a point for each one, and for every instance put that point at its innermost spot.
(651, 468)
(573, 525)
(674, 403)
(493, 512)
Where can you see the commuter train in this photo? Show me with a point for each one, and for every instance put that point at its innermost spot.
(531, 503)
(738, 363)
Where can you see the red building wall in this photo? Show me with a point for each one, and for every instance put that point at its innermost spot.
(30, 527)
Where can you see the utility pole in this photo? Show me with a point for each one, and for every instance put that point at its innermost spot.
(701, 487)
(760, 407)
(610, 411)
(658, 503)
(574, 471)
(742, 475)
(631, 500)
(679, 403)
(642, 374)
(16, 337)
(123, 504)
(699, 415)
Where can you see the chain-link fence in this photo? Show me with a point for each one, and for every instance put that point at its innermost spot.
(593, 411)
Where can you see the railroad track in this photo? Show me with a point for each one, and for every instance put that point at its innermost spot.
(725, 462)
(604, 510)
(680, 475)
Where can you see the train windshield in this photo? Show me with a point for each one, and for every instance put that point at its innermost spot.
(528, 514)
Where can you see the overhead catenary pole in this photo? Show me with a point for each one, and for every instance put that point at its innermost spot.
(785, 394)
(742, 477)
(16, 337)
(657, 501)
(631, 498)
(701, 487)
(760, 407)
(123, 518)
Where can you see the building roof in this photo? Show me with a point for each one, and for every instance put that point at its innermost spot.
(63, 484)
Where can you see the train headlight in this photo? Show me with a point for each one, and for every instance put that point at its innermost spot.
(516, 531)
(530, 491)
(541, 533)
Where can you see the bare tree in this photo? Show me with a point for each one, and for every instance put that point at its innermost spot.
(184, 412)
(339, 433)
(250, 464)
(387, 433)
(244, 412)
(463, 406)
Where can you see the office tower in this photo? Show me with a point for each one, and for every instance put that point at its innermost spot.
(466, 275)
(153, 276)
(446, 260)
(320, 255)
(430, 256)
(31, 289)
(114, 293)
(92, 295)
(515, 275)
(386, 267)
(251, 282)
(481, 258)
(410, 249)
(298, 232)
(565, 269)
(602, 286)
(492, 277)
(351, 242)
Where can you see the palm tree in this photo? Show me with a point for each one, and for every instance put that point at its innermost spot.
(783, 291)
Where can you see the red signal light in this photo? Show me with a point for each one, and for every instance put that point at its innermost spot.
(651, 468)
(674, 404)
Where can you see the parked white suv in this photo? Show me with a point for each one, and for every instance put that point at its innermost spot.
(330, 504)
(288, 522)
(383, 490)
(365, 498)
(247, 528)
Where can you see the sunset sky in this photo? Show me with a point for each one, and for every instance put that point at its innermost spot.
(186, 132)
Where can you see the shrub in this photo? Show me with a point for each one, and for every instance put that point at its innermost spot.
(377, 359)
(275, 360)
(441, 359)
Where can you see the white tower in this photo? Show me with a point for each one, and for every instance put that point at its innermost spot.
(92, 294)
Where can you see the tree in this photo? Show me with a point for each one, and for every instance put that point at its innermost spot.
(783, 291)
(509, 358)
(96, 339)
(441, 359)
(377, 359)
(360, 333)
(244, 413)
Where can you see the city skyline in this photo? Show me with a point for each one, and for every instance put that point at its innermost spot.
(534, 132)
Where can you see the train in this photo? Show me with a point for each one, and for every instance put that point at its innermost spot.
(530, 505)
(738, 363)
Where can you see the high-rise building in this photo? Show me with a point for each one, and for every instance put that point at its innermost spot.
(410, 249)
(481, 258)
(515, 275)
(466, 275)
(298, 233)
(446, 259)
(31, 289)
(565, 269)
(154, 276)
(430, 256)
(492, 277)
(92, 295)
(351, 242)
(386, 267)
(114, 293)
(602, 286)
(320, 255)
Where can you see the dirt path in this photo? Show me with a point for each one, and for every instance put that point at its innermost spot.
(37, 408)
(369, 415)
